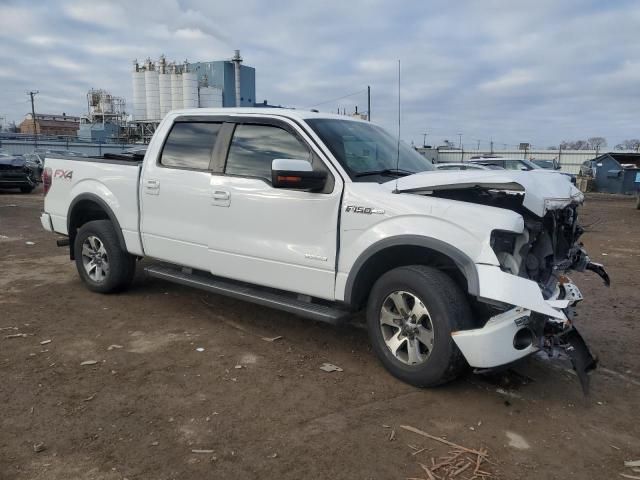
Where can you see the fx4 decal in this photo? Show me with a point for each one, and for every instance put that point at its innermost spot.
(63, 174)
(363, 210)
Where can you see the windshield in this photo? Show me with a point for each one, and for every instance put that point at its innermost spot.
(366, 151)
(530, 164)
(546, 164)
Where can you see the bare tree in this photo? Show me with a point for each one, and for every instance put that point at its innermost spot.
(630, 144)
(595, 143)
(574, 145)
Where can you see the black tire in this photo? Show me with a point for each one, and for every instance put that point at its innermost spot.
(121, 265)
(448, 310)
(27, 189)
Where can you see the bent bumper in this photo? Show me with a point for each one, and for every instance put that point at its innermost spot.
(517, 332)
(15, 179)
(502, 340)
(45, 220)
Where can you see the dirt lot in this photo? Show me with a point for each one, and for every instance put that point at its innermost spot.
(152, 398)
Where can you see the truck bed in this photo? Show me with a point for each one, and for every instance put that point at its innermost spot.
(113, 182)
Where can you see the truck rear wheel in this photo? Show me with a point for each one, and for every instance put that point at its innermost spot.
(411, 313)
(102, 264)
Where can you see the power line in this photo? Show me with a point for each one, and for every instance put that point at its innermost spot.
(336, 99)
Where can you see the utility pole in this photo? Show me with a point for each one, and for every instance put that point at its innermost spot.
(478, 140)
(460, 141)
(424, 140)
(33, 117)
(368, 103)
(491, 145)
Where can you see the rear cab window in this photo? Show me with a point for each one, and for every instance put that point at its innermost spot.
(189, 145)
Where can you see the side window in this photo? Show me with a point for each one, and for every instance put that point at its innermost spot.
(512, 165)
(254, 147)
(189, 145)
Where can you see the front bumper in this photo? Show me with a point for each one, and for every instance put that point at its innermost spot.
(519, 331)
(495, 344)
(16, 179)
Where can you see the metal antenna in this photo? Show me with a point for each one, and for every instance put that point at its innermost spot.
(398, 153)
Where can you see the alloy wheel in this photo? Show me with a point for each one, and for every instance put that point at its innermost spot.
(95, 259)
(406, 327)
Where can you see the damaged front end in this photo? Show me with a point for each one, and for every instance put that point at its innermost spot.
(549, 248)
(527, 304)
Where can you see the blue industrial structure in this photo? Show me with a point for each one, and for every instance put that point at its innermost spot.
(98, 132)
(221, 74)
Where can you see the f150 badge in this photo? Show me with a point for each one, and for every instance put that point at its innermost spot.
(363, 210)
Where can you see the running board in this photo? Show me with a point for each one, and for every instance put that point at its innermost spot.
(242, 291)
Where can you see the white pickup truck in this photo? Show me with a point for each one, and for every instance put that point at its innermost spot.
(325, 216)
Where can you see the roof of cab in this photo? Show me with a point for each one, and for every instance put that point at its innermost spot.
(279, 112)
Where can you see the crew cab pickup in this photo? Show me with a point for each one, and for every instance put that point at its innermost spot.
(324, 216)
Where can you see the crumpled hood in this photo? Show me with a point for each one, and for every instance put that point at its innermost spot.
(543, 191)
(17, 162)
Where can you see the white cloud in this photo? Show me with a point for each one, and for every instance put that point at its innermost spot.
(512, 80)
(535, 71)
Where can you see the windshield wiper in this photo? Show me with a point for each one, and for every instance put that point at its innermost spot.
(387, 171)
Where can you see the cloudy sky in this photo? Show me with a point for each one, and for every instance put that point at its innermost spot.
(537, 71)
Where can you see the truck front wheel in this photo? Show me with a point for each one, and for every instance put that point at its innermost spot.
(102, 264)
(411, 314)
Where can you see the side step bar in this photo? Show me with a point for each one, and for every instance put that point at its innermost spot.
(242, 291)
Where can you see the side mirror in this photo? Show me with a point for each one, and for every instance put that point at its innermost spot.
(298, 174)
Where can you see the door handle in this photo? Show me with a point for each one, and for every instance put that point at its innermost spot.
(220, 198)
(152, 187)
(220, 195)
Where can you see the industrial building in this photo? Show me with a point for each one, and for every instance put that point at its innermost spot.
(159, 87)
(105, 117)
(50, 124)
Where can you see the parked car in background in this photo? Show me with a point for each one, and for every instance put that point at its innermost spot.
(17, 171)
(37, 159)
(547, 164)
(519, 164)
(465, 166)
(588, 168)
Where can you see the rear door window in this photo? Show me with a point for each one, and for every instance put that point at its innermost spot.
(190, 145)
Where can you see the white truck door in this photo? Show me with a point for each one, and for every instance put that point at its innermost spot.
(281, 238)
(175, 195)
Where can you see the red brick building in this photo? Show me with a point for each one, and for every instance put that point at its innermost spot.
(48, 124)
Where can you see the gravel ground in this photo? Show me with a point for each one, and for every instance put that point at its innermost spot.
(174, 370)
